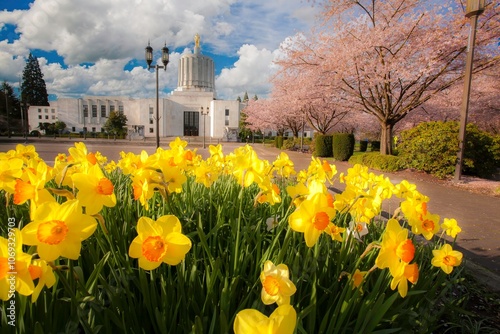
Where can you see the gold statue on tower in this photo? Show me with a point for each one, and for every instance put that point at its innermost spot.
(197, 40)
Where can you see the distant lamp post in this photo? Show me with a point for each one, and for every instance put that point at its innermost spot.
(164, 60)
(24, 124)
(204, 112)
(473, 10)
(7, 111)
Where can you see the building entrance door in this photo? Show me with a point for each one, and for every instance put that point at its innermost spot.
(191, 123)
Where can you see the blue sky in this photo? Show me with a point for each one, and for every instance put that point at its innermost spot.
(96, 47)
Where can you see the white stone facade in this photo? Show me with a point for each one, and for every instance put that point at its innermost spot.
(180, 112)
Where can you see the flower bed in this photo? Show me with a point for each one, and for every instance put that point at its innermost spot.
(172, 243)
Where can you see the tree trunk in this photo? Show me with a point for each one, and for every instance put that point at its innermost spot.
(386, 138)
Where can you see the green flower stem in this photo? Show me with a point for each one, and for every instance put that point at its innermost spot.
(236, 251)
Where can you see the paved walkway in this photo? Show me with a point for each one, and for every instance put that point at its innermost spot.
(478, 215)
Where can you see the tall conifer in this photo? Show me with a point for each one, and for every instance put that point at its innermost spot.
(33, 89)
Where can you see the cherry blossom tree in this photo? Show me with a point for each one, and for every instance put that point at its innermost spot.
(309, 98)
(387, 58)
(264, 115)
(484, 103)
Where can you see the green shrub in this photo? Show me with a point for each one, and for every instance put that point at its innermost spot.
(323, 146)
(289, 143)
(386, 163)
(432, 147)
(363, 145)
(495, 149)
(278, 141)
(343, 146)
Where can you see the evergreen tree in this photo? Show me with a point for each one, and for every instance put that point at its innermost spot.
(116, 123)
(245, 97)
(9, 109)
(33, 89)
(238, 99)
(255, 98)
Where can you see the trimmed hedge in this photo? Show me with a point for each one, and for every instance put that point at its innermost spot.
(323, 146)
(375, 146)
(385, 163)
(343, 146)
(363, 145)
(432, 147)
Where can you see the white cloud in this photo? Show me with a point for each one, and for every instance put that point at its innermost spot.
(250, 73)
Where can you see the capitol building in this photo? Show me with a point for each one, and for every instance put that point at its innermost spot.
(182, 113)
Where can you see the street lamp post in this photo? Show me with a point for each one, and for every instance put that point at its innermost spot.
(473, 10)
(204, 113)
(24, 124)
(7, 111)
(164, 60)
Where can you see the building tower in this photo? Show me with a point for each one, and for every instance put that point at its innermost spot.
(196, 71)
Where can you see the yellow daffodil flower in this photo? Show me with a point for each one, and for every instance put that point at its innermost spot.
(10, 170)
(335, 232)
(312, 217)
(14, 267)
(297, 192)
(206, 174)
(94, 190)
(276, 284)
(173, 178)
(58, 230)
(41, 270)
(407, 273)
(450, 226)
(395, 249)
(283, 165)
(31, 187)
(446, 258)
(247, 167)
(143, 189)
(159, 241)
(281, 321)
(357, 278)
(270, 193)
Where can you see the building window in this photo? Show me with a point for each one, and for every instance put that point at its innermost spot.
(103, 111)
(94, 110)
(150, 121)
(85, 110)
(150, 112)
(111, 108)
(46, 116)
(151, 130)
(39, 110)
(39, 125)
(46, 110)
(227, 112)
(93, 129)
(120, 110)
(39, 116)
(73, 129)
(226, 122)
(53, 116)
(52, 110)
